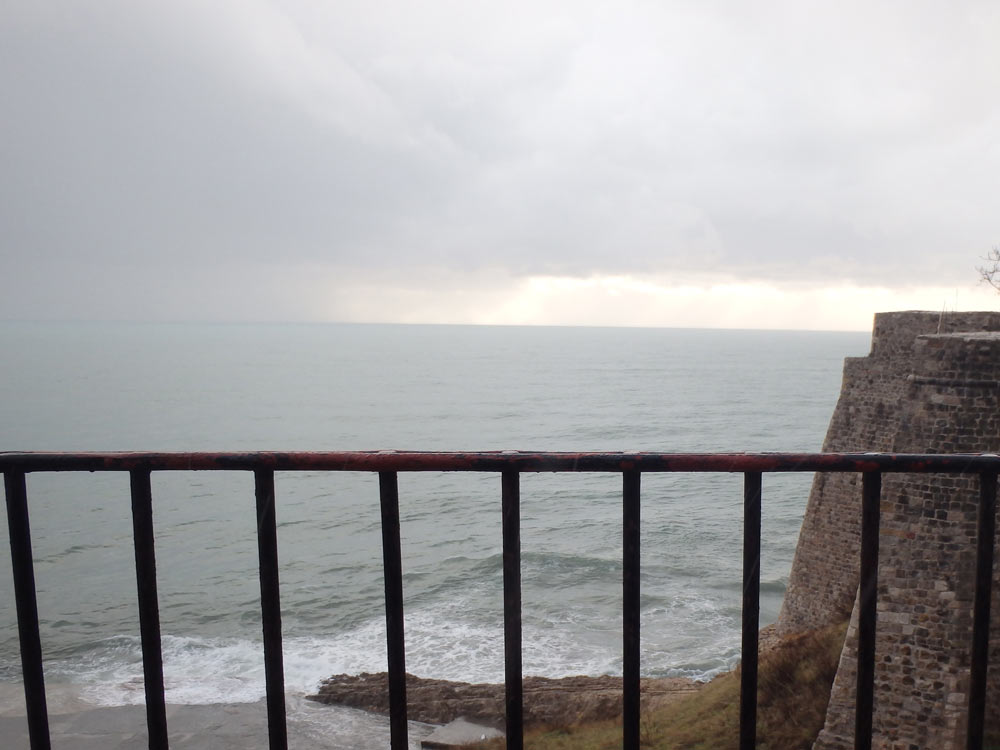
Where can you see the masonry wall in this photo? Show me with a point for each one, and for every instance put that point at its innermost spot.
(875, 389)
(930, 385)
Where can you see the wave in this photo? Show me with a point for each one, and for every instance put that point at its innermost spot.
(448, 641)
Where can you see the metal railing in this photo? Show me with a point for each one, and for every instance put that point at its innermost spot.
(509, 465)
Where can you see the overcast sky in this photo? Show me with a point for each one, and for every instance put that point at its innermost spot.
(765, 164)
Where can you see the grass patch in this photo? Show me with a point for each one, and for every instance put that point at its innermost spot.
(794, 683)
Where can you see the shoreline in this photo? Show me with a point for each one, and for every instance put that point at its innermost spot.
(317, 725)
(76, 723)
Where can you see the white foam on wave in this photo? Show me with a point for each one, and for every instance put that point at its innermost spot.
(692, 636)
(215, 670)
(446, 641)
(196, 671)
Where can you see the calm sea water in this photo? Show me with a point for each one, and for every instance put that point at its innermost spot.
(361, 387)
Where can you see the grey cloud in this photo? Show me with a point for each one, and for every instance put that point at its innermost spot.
(124, 153)
(564, 139)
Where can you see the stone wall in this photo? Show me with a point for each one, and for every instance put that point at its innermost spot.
(873, 397)
(930, 385)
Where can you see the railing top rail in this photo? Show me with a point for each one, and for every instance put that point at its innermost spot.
(497, 461)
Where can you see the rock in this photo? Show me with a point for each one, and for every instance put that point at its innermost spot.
(547, 701)
(459, 733)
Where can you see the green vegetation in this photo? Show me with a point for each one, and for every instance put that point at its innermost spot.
(794, 688)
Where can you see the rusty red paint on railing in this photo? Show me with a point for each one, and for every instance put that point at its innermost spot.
(508, 464)
(496, 461)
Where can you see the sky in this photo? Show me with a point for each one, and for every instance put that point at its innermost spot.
(670, 163)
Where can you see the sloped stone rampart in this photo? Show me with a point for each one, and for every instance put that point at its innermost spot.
(876, 390)
(930, 385)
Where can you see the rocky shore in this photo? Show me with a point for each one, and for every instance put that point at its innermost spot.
(547, 701)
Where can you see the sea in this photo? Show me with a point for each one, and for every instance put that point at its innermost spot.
(234, 387)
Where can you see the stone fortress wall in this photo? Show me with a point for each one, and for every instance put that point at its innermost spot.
(931, 384)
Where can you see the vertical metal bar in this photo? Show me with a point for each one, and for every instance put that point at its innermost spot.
(270, 608)
(27, 609)
(511, 511)
(751, 610)
(871, 493)
(630, 597)
(392, 566)
(981, 609)
(149, 609)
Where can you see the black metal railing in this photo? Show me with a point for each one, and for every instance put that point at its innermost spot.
(509, 465)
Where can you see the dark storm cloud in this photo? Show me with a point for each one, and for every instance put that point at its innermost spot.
(787, 143)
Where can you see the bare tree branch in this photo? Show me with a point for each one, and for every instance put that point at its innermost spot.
(990, 273)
